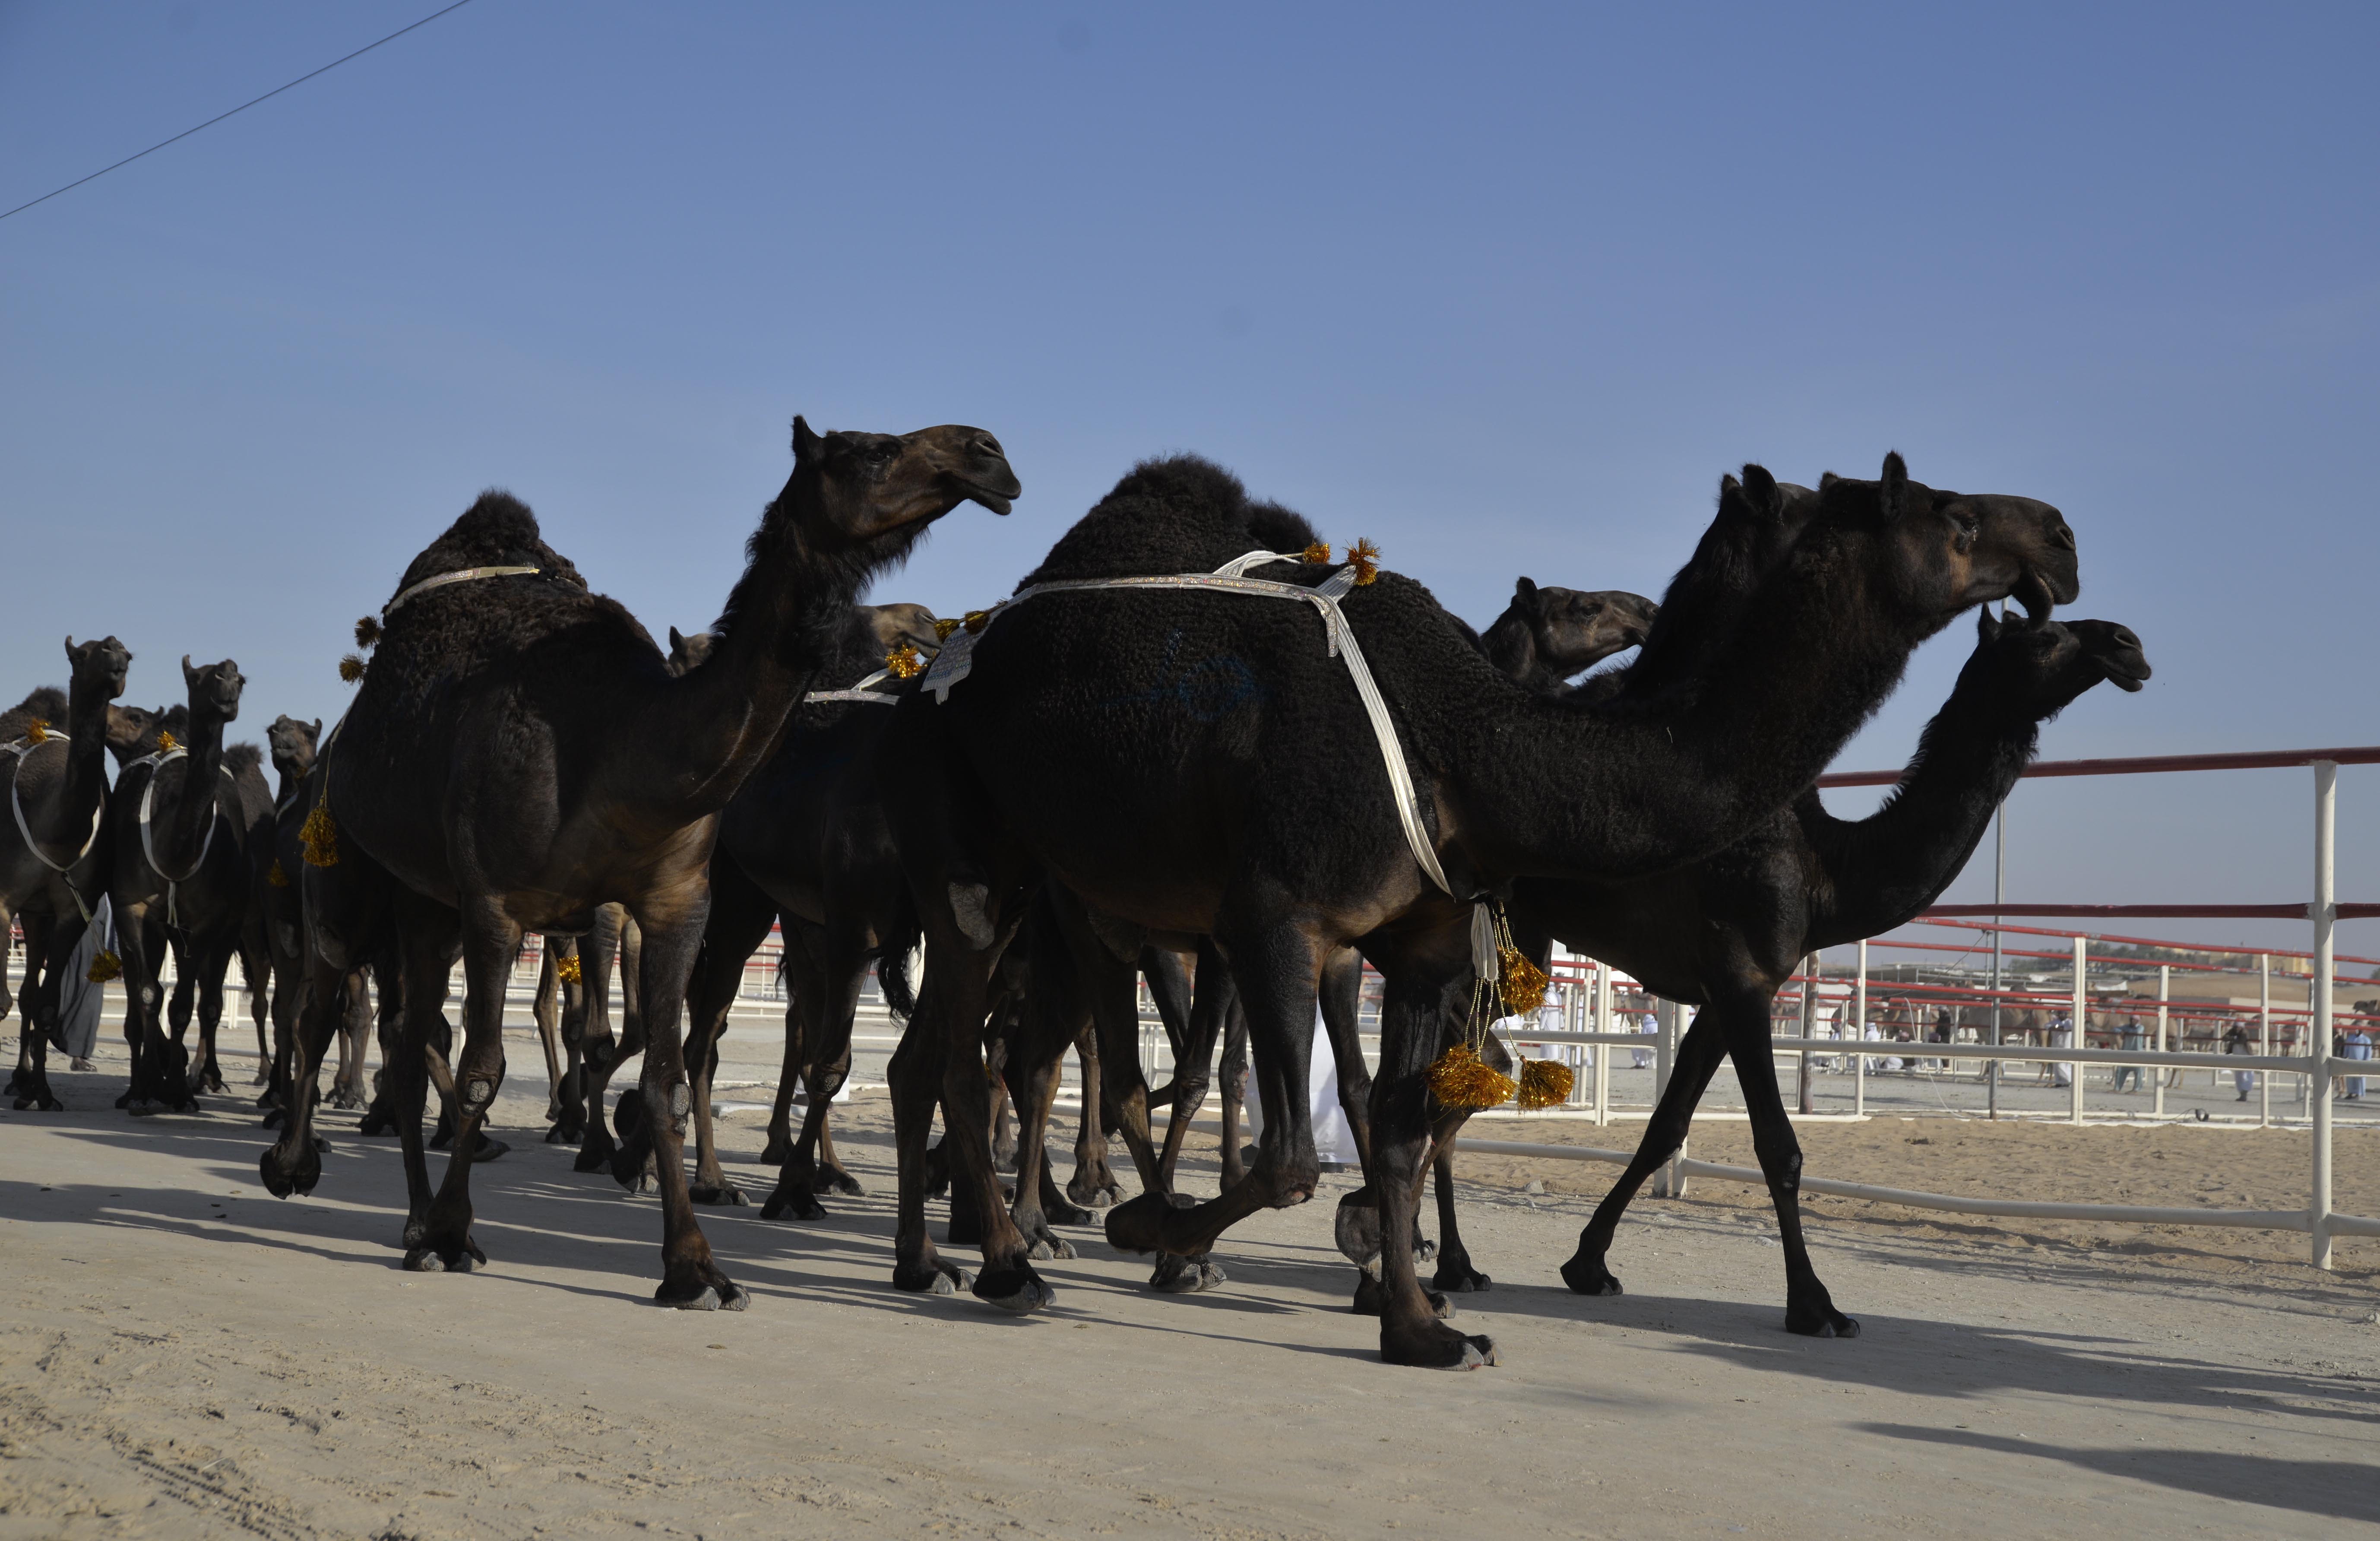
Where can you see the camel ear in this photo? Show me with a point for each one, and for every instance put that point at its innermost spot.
(1987, 626)
(805, 444)
(677, 642)
(69, 645)
(1525, 590)
(318, 727)
(190, 675)
(1761, 488)
(1826, 479)
(1892, 485)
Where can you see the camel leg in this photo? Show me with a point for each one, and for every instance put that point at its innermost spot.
(1212, 1005)
(780, 1146)
(214, 962)
(914, 1079)
(1030, 1072)
(1809, 1309)
(292, 1164)
(691, 1277)
(545, 1009)
(159, 1065)
(1094, 1186)
(738, 923)
(490, 942)
(824, 975)
(1008, 1279)
(603, 1054)
(1429, 987)
(256, 970)
(1699, 1054)
(1275, 969)
(1234, 1072)
(48, 946)
(354, 1022)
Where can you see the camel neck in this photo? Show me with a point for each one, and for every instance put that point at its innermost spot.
(1614, 790)
(86, 777)
(183, 839)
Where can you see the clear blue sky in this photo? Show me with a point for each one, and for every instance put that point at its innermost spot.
(1506, 290)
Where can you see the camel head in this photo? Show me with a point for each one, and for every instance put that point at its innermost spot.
(214, 690)
(133, 731)
(292, 744)
(1576, 629)
(895, 625)
(868, 485)
(1941, 552)
(2033, 670)
(688, 654)
(103, 663)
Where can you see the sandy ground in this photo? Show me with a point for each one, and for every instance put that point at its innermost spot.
(183, 1355)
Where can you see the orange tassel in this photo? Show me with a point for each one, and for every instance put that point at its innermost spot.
(351, 668)
(1318, 552)
(942, 628)
(104, 967)
(166, 744)
(274, 875)
(320, 837)
(37, 731)
(568, 969)
(367, 633)
(903, 663)
(975, 621)
(1460, 1079)
(1366, 559)
(1522, 984)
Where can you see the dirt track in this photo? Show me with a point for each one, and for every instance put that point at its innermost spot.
(183, 1356)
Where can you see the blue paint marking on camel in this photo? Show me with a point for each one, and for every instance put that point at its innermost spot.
(1207, 691)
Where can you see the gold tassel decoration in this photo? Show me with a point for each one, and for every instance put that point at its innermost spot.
(351, 668)
(1543, 1083)
(1521, 982)
(903, 663)
(320, 836)
(367, 633)
(166, 744)
(104, 967)
(37, 731)
(1460, 1079)
(568, 968)
(942, 628)
(1366, 559)
(1318, 552)
(975, 621)
(274, 875)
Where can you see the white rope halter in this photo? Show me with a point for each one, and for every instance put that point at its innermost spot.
(460, 575)
(857, 691)
(157, 763)
(956, 660)
(19, 750)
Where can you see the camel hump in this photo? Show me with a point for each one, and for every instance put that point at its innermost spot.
(497, 530)
(1177, 513)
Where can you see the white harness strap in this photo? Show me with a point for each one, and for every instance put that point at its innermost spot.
(953, 662)
(18, 750)
(157, 763)
(460, 575)
(857, 691)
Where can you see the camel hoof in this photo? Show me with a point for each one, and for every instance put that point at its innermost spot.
(487, 1150)
(285, 1175)
(560, 1135)
(1176, 1274)
(274, 1120)
(376, 1123)
(1019, 1291)
(1137, 1225)
(834, 1180)
(935, 1279)
(1435, 1346)
(445, 1257)
(795, 1205)
(721, 1193)
(1094, 1189)
(1457, 1276)
(1064, 1213)
(1047, 1248)
(596, 1155)
(724, 1294)
(1587, 1276)
(1821, 1322)
(1371, 1299)
(777, 1151)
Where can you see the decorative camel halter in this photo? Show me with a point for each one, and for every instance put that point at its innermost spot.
(460, 575)
(858, 690)
(157, 763)
(956, 660)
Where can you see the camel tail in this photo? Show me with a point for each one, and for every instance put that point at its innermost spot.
(900, 941)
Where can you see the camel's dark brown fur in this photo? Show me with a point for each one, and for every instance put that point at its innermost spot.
(518, 756)
(1262, 817)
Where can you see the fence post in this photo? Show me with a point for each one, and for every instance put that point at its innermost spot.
(2265, 1037)
(1859, 1031)
(2082, 1014)
(1603, 1051)
(2165, 985)
(1805, 1095)
(2323, 911)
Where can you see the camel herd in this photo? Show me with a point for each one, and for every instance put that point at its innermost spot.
(1190, 748)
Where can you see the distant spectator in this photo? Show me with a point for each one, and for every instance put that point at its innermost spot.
(2135, 1038)
(2358, 1047)
(2236, 1041)
(1649, 1026)
(2062, 1035)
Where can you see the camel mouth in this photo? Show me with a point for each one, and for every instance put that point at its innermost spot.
(2033, 592)
(975, 491)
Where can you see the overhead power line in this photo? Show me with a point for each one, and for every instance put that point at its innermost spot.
(210, 123)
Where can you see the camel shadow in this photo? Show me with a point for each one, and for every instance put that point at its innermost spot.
(2332, 1489)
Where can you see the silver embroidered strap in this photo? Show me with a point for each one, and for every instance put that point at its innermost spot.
(18, 750)
(957, 659)
(461, 575)
(857, 691)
